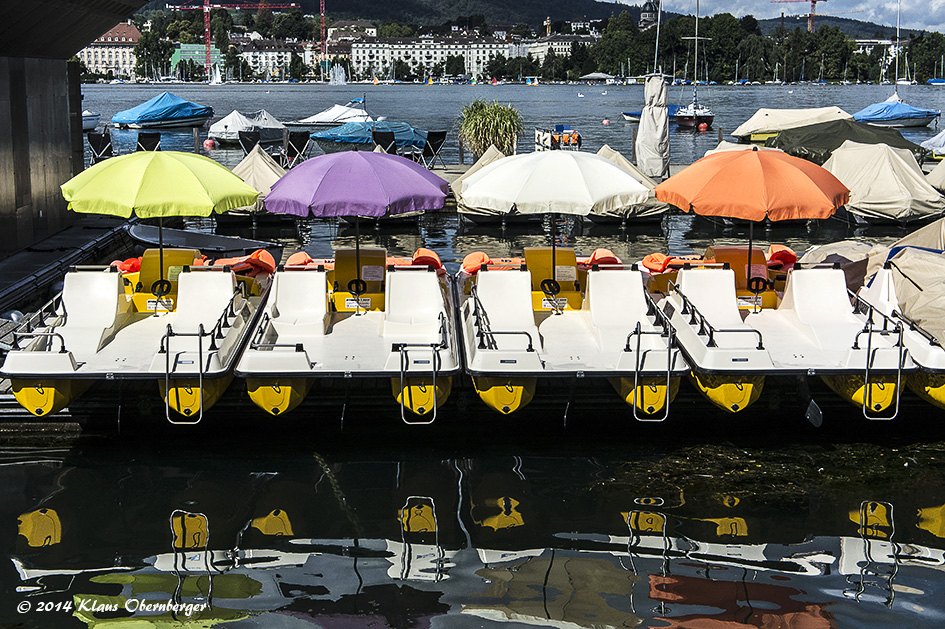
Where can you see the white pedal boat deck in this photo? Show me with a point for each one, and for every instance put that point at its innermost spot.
(815, 330)
(510, 330)
(400, 328)
(92, 331)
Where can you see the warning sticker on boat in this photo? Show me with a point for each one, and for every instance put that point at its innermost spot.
(550, 304)
(749, 301)
(566, 273)
(362, 302)
(165, 303)
(173, 272)
(372, 273)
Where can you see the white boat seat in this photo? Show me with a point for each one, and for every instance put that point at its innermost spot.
(90, 301)
(817, 302)
(413, 304)
(616, 300)
(300, 302)
(506, 298)
(202, 297)
(712, 291)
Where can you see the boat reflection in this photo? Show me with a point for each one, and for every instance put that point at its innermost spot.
(504, 538)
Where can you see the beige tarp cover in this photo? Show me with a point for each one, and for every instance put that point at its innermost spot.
(885, 183)
(773, 120)
(491, 155)
(260, 171)
(652, 142)
(736, 146)
(651, 206)
(920, 287)
(936, 178)
(852, 256)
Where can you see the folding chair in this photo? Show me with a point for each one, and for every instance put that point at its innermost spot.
(431, 149)
(248, 140)
(385, 140)
(100, 145)
(296, 148)
(149, 142)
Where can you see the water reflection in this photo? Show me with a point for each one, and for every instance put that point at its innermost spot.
(291, 538)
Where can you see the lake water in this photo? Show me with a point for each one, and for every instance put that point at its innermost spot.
(567, 514)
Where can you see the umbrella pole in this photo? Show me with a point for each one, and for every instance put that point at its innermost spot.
(751, 234)
(357, 245)
(553, 238)
(161, 244)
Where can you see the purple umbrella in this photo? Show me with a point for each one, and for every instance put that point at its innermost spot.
(353, 183)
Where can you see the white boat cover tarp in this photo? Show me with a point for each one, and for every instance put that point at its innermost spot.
(651, 206)
(337, 115)
(853, 257)
(491, 155)
(936, 178)
(920, 288)
(227, 129)
(738, 146)
(885, 183)
(652, 142)
(260, 171)
(936, 144)
(767, 120)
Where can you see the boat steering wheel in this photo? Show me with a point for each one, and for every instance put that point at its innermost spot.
(758, 285)
(160, 288)
(550, 287)
(357, 287)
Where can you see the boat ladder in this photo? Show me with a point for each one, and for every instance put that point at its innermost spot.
(190, 532)
(877, 526)
(415, 519)
(435, 363)
(669, 333)
(890, 327)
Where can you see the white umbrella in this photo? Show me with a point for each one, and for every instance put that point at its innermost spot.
(563, 182)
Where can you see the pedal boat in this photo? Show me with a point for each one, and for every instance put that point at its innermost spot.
(540, 317)
(326, 321)
(928, 381)
(108, 325)
(815, 329)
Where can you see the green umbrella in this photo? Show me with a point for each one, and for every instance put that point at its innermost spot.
(155, 184)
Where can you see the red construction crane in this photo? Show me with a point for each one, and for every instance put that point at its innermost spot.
(206, 18)
(810, 16)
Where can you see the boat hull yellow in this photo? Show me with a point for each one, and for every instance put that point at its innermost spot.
(650, 397)
(418, 393)
(730, 393)
(45, 397)
(928, 386)
(505, 395)
(185, 395)
(882, 390)
(279, 397)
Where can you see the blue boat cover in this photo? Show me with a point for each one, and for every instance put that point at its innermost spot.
(360, 133)
(164, 106)
(891, 110)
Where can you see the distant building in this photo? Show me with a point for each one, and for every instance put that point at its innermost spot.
(351, 30)
(113, 51)
(269, 57)
(312, 52)
(866, 46)
(377, 57)
(649, 14)
(196, 53)
(560, 44)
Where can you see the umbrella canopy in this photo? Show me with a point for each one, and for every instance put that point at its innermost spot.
(564, 182)
(753, 185)
(356, 183)
(155, 184)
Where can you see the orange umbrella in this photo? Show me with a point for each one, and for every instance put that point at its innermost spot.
(753, 185)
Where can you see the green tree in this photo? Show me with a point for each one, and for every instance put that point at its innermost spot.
(401, 70)
(297, 69)
(456, 65)
(292, 25)
(264, 21)
(623, 22)
(496, 66)
(396, 29)
(152, 55)
(522, 30)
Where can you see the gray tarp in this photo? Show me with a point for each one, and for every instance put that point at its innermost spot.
(652, 142)
(817, 141)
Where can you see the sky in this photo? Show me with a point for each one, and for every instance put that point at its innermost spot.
(926, 15)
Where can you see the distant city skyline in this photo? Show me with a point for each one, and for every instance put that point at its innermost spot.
(927, 15)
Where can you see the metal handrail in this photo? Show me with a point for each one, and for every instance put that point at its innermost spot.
(484, 331)
(167, 370)
(705, 327)
(897, 329)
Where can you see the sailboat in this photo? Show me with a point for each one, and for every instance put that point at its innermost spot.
(892, 112)
(694, 114)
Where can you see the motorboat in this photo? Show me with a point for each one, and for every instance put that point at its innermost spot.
(893, 112)
(90, 120)
(227, 129)
(165, 318)
(547, 315)
(354, 135)
(164, 110)
(353, 111)
(634, 116)
(359, 315)
(211, 245)
(766, 122)
(735, 331)
(694, 115)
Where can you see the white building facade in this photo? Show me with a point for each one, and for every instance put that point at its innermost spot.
(560, 44)
(375, 58)
(113, 52)
(270, 57)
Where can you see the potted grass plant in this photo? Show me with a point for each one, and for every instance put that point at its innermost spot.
(482, 123)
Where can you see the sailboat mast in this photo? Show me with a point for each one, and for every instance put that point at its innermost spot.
(898, 11)
(656, 51)
(695, 75)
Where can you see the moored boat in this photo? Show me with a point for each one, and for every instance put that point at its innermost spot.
(90, 120)
(355, 135)
(167, 319)
(547, 316)
(353, 111)
(358, 315)
(893, 112)
(227, 129)
(164, 110)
